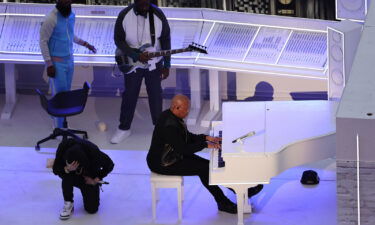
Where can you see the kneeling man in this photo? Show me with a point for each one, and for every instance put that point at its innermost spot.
(81, 164)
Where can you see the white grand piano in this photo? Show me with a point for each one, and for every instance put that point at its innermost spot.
(287, 134)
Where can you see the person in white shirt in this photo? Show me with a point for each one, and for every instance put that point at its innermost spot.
(133, 29)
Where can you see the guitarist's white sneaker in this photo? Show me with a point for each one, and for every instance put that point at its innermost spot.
(120, 135)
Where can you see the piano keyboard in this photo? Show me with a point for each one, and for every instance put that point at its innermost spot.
(221, 162)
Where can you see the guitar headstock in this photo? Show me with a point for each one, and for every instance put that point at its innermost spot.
(197, 48)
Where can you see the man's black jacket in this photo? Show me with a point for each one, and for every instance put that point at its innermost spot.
(172, 130)
(100, 165)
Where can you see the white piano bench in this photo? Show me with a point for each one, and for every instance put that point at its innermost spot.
(166, 181)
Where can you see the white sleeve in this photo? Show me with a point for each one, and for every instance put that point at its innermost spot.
(46, 31)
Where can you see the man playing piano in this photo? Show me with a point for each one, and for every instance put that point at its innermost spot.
(173, 148)
(81, 164)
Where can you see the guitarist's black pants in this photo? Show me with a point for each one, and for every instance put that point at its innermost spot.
(130, 95)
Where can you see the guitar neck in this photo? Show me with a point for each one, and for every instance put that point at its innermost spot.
(167, 52)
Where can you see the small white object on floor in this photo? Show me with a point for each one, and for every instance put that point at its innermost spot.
(102, 126)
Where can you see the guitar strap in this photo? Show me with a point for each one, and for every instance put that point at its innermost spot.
(152, 26)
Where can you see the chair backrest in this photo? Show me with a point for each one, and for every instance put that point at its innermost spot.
(43, 99)
(66, 103)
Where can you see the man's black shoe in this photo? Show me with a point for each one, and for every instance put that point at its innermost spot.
(232, 190)
(254, 190)
(227, 206)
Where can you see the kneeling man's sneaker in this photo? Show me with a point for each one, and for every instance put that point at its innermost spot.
(67, 211)
(120, 136)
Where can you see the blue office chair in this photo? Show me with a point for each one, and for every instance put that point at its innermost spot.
(64, 104)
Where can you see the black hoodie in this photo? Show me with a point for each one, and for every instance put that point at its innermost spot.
(98, 163)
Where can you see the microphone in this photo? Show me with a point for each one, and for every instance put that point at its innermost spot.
(240, 139)
(103, 182)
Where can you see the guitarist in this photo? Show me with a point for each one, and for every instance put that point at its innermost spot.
(138, 24)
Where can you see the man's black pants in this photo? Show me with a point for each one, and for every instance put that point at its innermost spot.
(90, 193)
(191, 165)
(130, 95)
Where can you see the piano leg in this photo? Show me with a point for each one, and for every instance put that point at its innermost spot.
(243, 205)
(247, 203)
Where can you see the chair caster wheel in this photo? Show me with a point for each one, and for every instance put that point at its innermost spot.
(37, 148)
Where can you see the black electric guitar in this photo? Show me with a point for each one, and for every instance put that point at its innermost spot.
(127, 65)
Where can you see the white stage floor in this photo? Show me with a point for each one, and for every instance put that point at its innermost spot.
(31, 194)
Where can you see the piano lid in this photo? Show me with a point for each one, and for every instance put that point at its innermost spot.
(276, 124)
